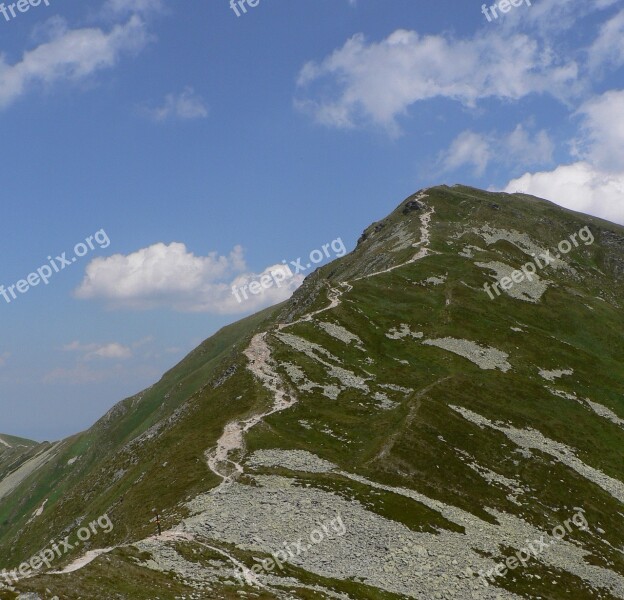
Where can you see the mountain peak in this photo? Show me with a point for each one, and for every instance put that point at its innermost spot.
(421, 410)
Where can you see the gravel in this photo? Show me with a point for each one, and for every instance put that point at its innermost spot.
(483, 356)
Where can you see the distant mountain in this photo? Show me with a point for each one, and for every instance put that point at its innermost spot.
(10, 441)
(13, 451)
(438, 414)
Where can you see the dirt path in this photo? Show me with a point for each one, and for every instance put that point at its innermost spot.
(261, 364)
(423, 245)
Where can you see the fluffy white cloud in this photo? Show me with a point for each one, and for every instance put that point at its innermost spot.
(594, 184)
(579, 186)
(185, 105)
(172, 277)
(527, 52)
(517, 148)
(69, 55)
(377, 82)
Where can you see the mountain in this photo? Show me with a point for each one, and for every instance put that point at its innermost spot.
(14, 452)
(438, 414)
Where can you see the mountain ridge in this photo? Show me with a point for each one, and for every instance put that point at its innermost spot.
(336, 353)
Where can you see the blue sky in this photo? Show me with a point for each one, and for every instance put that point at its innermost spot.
(207, 148)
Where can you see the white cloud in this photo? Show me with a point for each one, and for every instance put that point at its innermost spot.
(377, 82)
(468, 148)
(594, 184)
(579, 186)
(526, 52)
(520, 149)
(552, 18)
(517, 148)
(157, 272)
(601, 141)
(69, 55)
(185, 105)
(172, 277)
(96, 363)
(608, 49)
(99, 362)
(112, 350)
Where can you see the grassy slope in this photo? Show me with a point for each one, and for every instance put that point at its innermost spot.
(414, 445)
(571, 328)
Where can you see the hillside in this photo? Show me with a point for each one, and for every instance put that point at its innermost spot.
(391, 431)
(14, 451)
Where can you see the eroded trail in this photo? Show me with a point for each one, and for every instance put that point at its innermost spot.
(333, 295)
(171, 536)
(231, 441)
(422, 245)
